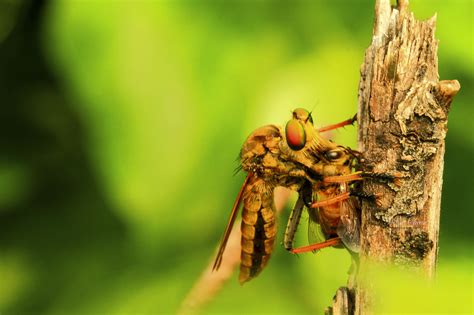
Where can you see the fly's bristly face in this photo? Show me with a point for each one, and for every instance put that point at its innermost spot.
(303, 144)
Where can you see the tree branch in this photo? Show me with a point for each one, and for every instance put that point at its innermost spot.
(403, 111)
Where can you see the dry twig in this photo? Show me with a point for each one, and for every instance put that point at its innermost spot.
(403, 111)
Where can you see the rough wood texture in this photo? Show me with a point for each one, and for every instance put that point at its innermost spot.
(403, 110)
(342, 303)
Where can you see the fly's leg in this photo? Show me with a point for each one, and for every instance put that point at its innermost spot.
(330, 242)
(293, 223)
(346, 122)
(304, 199)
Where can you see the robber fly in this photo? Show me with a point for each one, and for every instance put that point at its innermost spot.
(296, 157)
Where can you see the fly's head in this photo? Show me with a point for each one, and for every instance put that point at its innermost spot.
(299, 130)
(303, 145)
(318, 156)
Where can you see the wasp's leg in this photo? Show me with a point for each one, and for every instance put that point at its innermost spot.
(332, 200)
(395, 177)
(389, 177)
(344, 178)
(330, 242)
(346, 122)
(370, 197)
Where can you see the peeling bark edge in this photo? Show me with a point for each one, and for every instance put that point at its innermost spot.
(402, 116)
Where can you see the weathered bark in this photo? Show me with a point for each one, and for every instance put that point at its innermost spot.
(403, 110)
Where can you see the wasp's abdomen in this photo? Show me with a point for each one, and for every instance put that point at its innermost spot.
(330, 215)
(258, 229)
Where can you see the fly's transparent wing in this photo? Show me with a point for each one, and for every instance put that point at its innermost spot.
(348, 228)
(230, 224)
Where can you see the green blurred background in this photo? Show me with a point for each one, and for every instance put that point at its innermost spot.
(120, 127)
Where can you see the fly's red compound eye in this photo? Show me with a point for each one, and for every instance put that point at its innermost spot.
(295, 135)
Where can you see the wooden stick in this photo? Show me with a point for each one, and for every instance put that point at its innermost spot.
(402, 117)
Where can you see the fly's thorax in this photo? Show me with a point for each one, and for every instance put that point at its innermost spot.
(258, 148)
(262, 140)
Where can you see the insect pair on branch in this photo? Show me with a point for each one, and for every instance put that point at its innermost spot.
(321, 171)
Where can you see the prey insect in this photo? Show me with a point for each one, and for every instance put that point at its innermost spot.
(296, 157)
(332, 206)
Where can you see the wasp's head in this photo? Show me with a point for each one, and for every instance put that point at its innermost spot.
(338, 156)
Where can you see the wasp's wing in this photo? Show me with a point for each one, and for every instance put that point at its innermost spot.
(230, 224)
(315, 232)
(349, 225)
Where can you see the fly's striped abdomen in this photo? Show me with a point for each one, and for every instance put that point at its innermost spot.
(258, 228)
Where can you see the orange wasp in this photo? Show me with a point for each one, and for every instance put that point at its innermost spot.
(333, 208)
(300, 159)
